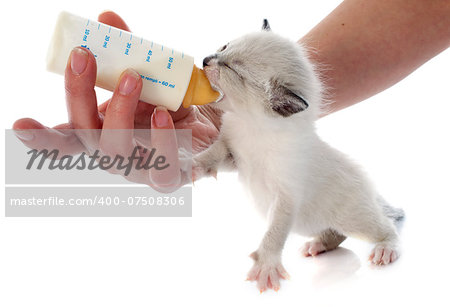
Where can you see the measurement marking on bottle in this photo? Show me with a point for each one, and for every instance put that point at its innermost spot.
(127, 49)
(169, 65)
(157, 82)
(85, 36)
(149, 54)
(105, 43)
(110, 51)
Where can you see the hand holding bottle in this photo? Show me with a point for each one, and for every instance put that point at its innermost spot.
(122, 111)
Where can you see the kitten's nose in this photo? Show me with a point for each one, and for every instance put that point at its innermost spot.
(208, 59)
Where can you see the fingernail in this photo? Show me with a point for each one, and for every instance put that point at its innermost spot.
(78, 60)
(128, 82)
(24, 135)
(161, 117)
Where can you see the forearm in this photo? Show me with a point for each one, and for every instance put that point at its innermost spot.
(364, 47)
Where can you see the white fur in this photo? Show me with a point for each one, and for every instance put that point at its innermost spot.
(302, 183)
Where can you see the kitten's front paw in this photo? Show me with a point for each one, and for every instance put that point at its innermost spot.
(267, 272)
(383, 254)
(200, 169)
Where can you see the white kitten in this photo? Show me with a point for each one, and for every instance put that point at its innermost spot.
(272, 96)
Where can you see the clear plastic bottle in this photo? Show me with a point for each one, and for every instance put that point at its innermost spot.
(169, 77)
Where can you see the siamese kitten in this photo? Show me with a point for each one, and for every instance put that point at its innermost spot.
(271, 97)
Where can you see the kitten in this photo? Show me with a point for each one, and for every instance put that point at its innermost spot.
(271, 97)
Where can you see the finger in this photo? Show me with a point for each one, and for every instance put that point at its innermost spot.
(121, 109)
(102, 108)
(143, 114)
(120, 115)
(144, 111)
(112, 19)
(180, 113)
(80, 76)
(163, 139)
(63, 126)
(36, 136)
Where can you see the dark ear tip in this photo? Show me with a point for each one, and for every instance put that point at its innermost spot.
(266, 26)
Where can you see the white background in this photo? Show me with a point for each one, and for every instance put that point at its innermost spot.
(400, 136)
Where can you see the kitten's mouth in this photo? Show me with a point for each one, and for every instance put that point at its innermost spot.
(212, 76)
(217, 89)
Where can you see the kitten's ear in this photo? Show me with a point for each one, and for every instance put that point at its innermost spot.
(266, 26)
(283, 101)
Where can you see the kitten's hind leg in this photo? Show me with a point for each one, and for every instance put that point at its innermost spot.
(374, 226)
(383, 253)
(386, 250)
(326, 241)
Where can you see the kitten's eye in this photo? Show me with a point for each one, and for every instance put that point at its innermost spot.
(223, 48)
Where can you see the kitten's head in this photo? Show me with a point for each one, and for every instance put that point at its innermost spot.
(263, 72)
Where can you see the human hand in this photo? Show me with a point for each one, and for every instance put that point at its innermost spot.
(122, 111)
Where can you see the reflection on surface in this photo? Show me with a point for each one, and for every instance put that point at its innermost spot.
(334, 266)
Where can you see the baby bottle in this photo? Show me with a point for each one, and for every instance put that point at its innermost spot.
(169, 77)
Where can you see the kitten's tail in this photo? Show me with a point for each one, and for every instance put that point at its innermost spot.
(396, 214)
